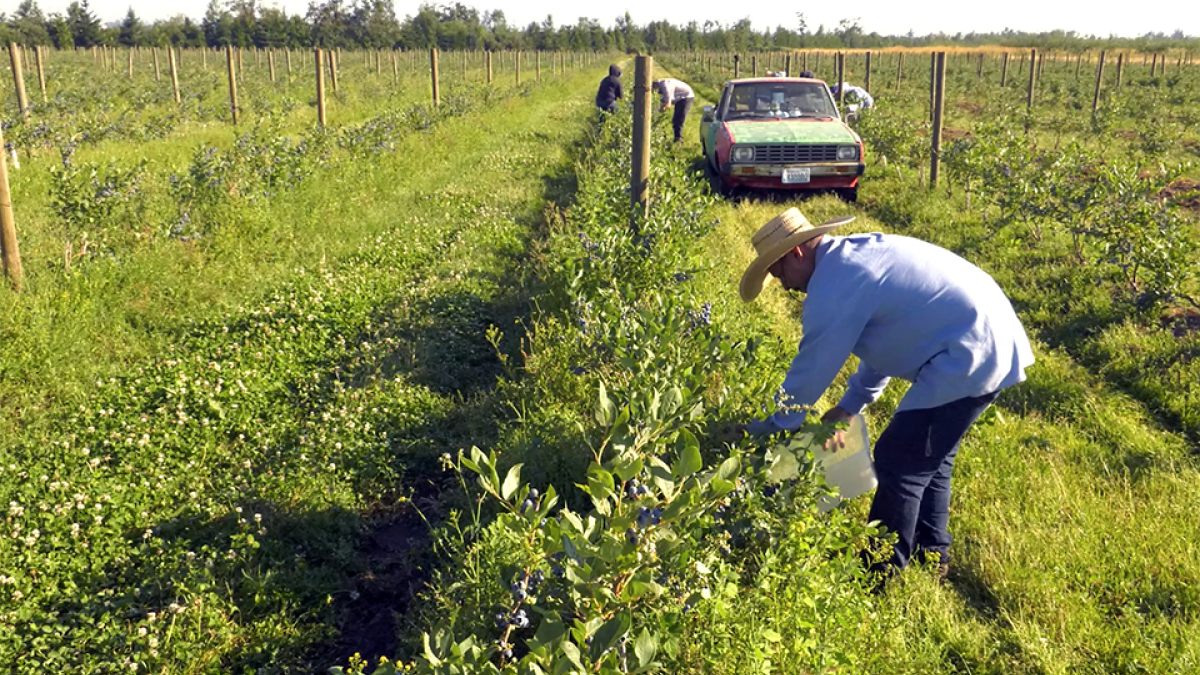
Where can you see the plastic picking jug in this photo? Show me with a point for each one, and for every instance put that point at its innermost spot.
(849, 470)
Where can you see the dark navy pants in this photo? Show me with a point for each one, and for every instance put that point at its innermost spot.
(679, 118)
(914, 458)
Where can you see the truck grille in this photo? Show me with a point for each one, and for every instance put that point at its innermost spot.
(794, 153)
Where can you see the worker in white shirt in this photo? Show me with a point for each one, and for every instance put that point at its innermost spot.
(678, 94)
(864, 98)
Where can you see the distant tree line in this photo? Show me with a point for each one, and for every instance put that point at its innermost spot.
(374, 24)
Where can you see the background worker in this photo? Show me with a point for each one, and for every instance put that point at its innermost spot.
(610, 90)
(677, 93)
(907, 309)
(864, 98)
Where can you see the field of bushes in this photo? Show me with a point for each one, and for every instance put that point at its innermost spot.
(413, 392)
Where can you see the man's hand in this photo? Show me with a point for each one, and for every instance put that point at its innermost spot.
(838, 440)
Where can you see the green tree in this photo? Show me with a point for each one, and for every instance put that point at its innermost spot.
(85, 27)
(28, 25)
(132, 31)
(217, 25)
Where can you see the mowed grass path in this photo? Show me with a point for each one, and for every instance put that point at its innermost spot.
(1074, 511)
(197, 439)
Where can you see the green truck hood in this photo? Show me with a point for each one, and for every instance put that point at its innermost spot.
(790, 131)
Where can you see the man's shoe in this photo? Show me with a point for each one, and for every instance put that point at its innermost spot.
(943, 572)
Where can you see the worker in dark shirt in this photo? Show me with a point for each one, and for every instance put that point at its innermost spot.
(610, 90)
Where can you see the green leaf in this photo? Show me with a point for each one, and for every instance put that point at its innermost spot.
(512, 481)
(729, 469)
(429, 656)
(550, 631)
(572, 652)
(608, 634)
(606, 412)
(689, 461)
(721, 487)
(771, 636)
(672, 402)
(645, 647)
(569, 549)
(573, 519)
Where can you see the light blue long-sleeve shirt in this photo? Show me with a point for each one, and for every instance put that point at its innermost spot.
(907, 309)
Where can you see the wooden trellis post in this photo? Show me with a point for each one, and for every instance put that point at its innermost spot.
(157, 77)
(333, 69)
(1099, 81)
(37, 55)
(1032, 79)
(10, 251)
(433, 73)
(14, 54)
(174, 72)
(639, 179)
(233, 102)
(939, 103)
(318, 59)
(1004, 71)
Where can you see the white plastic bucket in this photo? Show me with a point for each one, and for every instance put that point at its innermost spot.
(849, 470)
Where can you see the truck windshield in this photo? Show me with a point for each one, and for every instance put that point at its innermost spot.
(780, 99)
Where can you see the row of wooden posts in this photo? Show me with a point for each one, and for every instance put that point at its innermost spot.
(331, 58)
(10, 254)
(735, 63)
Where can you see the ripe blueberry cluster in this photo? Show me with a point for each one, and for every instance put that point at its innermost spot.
(647, 517)
(635, 489)
(530, 500)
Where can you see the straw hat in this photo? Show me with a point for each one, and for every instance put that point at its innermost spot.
(773, 240)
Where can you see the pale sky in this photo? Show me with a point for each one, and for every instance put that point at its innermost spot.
(1101, 18)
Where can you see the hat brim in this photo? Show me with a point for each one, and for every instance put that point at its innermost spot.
(756, 276)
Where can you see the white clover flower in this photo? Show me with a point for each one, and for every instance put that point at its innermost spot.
(246, 464)
(142, 631)
(190, 556)
(15, 509)
(17, 595)
(258, 517)
(192, 494)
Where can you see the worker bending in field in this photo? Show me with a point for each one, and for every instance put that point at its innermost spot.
(907, 309)
(679, 94)
(864, 98)
(610, 90)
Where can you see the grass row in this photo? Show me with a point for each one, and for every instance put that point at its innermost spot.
(222, 423)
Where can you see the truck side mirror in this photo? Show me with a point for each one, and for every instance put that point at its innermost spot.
(707, 114)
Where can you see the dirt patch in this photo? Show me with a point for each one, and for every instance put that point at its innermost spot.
(1184, 193)
(1126, 134)
(969, 107)
(392, 554)
(950, 134)
(1182, 321)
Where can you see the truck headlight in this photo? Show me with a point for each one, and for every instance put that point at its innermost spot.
(743, 153)
(847, 152)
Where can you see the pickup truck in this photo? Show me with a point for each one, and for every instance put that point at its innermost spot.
(780, 133)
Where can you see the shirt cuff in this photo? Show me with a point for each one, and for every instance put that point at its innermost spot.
(852, 403)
